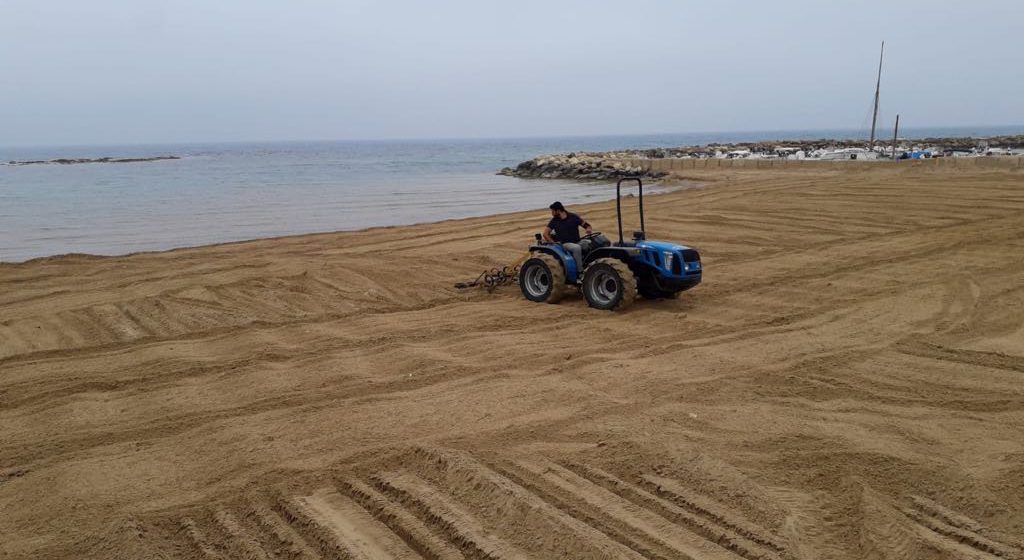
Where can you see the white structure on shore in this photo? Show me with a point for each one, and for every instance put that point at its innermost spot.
(905, 149)
(859, 154)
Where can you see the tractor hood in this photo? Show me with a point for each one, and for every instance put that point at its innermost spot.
(661, 246)
(669, 261)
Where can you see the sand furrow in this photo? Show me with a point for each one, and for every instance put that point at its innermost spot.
(939, 523)
(416, 534)
(240, 538)
(450, 519)
(288, 540)
(724, 530)
(501, 501)
(717, 513)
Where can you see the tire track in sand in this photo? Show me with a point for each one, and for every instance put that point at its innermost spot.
(956, 532)
(442, 504)
(635, 526)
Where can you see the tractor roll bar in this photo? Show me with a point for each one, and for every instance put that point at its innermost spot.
(618, 203)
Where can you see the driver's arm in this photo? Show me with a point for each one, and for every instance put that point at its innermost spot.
(547, 235)
(586, 226)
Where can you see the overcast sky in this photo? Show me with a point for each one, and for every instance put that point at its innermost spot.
(105, 71)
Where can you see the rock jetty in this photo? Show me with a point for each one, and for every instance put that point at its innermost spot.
(601, 166)
(580, 166)
(66, 161)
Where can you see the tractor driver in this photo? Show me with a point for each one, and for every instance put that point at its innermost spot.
(565, 226)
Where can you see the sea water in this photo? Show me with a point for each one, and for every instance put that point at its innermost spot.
(230, 192)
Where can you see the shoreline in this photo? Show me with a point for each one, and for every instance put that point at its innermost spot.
(220, 194)
(669, 174)
(678, 185)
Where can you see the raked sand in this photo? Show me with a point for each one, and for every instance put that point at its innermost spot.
(848, 382)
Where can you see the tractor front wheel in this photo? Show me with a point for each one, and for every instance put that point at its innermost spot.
(609, 284)
(542, 279)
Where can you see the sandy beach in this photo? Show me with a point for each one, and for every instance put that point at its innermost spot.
(847, 382)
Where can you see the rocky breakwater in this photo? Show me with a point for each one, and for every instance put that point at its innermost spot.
(78, 161)
(581, 167)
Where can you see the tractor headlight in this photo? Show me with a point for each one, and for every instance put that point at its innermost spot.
(668, 259)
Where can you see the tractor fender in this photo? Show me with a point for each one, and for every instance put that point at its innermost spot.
(561, 255)
(624, 254)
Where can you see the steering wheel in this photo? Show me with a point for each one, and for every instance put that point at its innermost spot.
(590, 235)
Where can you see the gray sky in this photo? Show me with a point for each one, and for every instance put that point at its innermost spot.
(105, 71)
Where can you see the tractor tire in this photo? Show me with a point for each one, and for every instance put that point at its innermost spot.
(609, 284)
(542, 279)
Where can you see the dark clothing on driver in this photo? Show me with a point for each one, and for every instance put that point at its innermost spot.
(567, 230)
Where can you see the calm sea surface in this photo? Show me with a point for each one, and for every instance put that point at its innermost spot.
(231, 192)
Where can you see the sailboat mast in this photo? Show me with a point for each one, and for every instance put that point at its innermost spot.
(878, 87)
(895, 136)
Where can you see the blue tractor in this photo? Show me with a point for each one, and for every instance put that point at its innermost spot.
(611, 274)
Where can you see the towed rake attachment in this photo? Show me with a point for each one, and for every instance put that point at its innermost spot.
(493, 278)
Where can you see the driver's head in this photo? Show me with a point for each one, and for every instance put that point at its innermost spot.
(557, 210)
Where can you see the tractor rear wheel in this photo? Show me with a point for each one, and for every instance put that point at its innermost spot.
(609, 284)
(542, 279)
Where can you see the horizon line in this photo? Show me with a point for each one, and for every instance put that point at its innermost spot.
(396, 139)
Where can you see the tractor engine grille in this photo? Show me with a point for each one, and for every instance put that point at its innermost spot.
(690, 255)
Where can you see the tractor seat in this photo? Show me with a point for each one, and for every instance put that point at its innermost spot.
(589, 245)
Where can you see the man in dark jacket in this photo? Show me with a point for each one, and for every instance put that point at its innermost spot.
(565, 227)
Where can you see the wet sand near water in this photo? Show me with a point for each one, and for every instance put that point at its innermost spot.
(848, 382)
